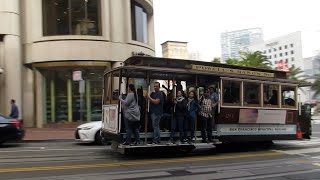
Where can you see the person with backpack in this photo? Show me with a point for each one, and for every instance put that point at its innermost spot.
(179, 118)
(131, 112)
(206, 105)
(193, 108)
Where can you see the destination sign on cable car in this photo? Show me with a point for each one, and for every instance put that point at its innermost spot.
(232, 71)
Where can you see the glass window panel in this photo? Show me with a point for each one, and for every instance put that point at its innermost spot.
(288, 96)
(107, 89)
(270, 95)
(231, 92)
(71, 17)
(139, 18)
(251, 93)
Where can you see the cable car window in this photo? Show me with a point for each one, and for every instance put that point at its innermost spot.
(251, 94)
(231, 92)
(271, 95)
(288, 96)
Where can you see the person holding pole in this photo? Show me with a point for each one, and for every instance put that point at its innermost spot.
(156, 110)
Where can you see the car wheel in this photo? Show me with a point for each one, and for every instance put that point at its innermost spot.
(98, 139)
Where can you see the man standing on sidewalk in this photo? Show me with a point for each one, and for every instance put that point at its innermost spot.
(14, 110)
(156, 110)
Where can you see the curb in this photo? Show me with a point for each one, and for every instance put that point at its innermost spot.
(48, 140)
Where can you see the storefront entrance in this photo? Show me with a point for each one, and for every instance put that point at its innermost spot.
(73, 100)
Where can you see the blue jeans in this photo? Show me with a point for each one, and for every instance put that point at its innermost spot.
(192, 125)
(132, 126)
(180, 121)
(156, 127)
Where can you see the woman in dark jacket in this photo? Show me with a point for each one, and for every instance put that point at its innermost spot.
(179, 119)
(193, 108)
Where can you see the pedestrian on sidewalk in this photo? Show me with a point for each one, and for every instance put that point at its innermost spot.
(131, 112)
(14, 113)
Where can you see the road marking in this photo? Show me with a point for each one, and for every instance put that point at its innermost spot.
(144, 162)
(300, 151)
(39, 149)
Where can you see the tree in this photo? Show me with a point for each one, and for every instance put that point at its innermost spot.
(232, 61)
(216, 60)
(297, 74)
(316, 85)
(254, 59)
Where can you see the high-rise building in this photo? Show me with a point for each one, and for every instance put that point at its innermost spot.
(290, 50)
(47, 46)
(235, 41)
(175, 49)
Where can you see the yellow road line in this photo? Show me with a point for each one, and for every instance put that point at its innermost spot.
(144, 162)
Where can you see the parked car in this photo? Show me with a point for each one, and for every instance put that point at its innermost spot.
(10, 129)
(90, 133)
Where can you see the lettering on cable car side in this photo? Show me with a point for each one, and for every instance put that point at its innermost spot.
(232, 71)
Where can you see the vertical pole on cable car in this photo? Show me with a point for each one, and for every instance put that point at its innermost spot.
(196, 120)
(219, 96)
(174, 94)
(299, 105)
(148, 109)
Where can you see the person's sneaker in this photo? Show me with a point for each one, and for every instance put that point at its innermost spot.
(193, 139)
(125, 143)
(204, 141)
(178, 142)
(169, 142)
(136, 143)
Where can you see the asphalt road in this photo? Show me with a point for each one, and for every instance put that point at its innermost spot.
(69, 160)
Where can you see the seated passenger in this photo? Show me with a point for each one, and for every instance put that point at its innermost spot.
(274, 98)
(252, 99)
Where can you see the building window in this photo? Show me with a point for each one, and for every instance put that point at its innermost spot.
(292, 59)
(286, 53)
(280, 54)
(274, 49)
(287, 60)
(269, 50)
(71, 17)
(280, 48)
(275, 56)
(264, 52)
(139, 22)
(275, 62)
(270, 57)
(285, 46)
(291, 45)
(292, 52)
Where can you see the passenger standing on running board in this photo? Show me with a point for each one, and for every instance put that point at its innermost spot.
(214, 96)
(193, 108)
(156, 110)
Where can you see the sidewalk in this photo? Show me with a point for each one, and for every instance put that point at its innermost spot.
(63, 131)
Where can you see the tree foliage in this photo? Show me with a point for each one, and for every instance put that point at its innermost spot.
(254, 59)
(316, 85)
(216, 60)
(232, 61)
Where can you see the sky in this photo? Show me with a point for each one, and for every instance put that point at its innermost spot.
(200, 22)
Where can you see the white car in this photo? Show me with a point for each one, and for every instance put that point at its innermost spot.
(89, 133)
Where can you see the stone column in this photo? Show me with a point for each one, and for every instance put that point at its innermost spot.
(11, 49)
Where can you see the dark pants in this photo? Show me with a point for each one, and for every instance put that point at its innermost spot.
(165, 119)
(191, 123)
(132, 126)
(180, 122)
(206, 125)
